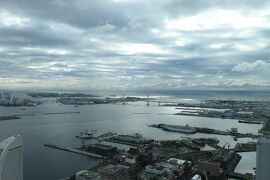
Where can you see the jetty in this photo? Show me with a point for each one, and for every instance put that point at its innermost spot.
(52, 113)
(2, 118)
(73, 150)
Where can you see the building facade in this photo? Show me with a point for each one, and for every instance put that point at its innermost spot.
(11, 158)
(263, 159)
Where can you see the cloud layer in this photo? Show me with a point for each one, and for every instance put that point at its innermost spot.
(257, 66)
(126, 44)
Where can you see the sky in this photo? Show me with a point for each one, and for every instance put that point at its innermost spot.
(134, 44)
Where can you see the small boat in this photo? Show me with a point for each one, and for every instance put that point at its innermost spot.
(86, 134)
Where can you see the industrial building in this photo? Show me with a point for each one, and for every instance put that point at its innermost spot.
(11, 158)
(102, 149)
(171, 169)
(87, 175)
(228, 159)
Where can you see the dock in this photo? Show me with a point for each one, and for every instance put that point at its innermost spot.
(205, 130)
(73, 150)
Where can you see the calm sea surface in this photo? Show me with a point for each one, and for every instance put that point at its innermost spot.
(43, 163)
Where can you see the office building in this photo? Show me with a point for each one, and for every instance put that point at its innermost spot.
(263, 159)
(11, 158)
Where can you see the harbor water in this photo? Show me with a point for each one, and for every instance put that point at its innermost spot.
(45, 163)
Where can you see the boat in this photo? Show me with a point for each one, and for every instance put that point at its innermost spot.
(249, 121)
(86, 134)
(178, 128)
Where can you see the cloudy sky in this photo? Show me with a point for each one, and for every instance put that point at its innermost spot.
(141, 44)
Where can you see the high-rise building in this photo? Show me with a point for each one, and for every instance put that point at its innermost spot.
(11, 158)
(263, 159)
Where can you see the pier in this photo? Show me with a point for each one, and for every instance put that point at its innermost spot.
(52, 113)
(2, 118)
(233, 132)
(73, 150)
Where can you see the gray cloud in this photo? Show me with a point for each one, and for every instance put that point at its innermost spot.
(191, 7)
(134, 44)
(257, 66)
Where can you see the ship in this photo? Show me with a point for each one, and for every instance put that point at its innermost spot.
(86, 134)
(178, 128)
(249, 122)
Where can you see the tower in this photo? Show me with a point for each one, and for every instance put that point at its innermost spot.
(263, 159)
(2, 95)
(11, 158)
(147, 102)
